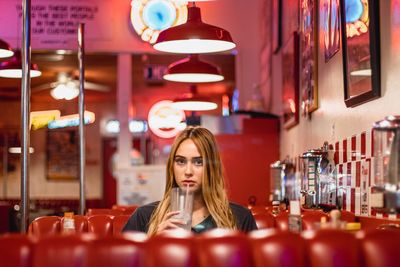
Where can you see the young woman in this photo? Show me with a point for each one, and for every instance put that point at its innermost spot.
(194, 162)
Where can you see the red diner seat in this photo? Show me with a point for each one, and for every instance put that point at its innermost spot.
(264, 220)
(45, 225)
(224, 248)
(116, 252)
(310, 217)
(175, 248)
(258, 210)
(333, 248)
(347, 216)
(60, 251)
(126, 210)
(275, 248)
(282, 221)
(381, 248)
(112, 212)
(80, 223)
(100, 224)
(119, 223)
(15, 250)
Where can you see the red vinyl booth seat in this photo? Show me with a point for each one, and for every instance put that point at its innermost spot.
(172, 249)
(101, 225)
(381, 248)
(60, 251)
(15, 250)
(216, 248)
(46, 225)
(273, 249)
(115, 251)
(112, 212)
(264, 220)
(119, 223)
(333, 248)
(224, 248)
(310, 217)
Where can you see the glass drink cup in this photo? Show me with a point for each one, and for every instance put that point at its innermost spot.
(182, 201)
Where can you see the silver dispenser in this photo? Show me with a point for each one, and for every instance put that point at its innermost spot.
(310, 197)
(327, 185)
(291, 188)
(276, 182)
(385, 187)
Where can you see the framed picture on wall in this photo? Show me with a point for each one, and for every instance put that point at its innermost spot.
(62, 154)
(308, 56)
(290, 81)
(361, 51)
(330, 18)
(276, 25)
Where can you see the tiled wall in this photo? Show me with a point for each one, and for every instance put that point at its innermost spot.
(354, 162)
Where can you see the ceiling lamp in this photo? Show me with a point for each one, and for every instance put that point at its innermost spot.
(194, 102)
(194, 37)
(193, 70)
(12, 68)
(67, 91)
(5, 50)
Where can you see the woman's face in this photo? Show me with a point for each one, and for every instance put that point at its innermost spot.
(188, 166)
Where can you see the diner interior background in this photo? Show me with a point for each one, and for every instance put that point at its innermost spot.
(254, 63)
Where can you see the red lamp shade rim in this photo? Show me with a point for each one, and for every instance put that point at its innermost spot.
(194, 104)
(192, 64)
(180, 39)
(5, 50)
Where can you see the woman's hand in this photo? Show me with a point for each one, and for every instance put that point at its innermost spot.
(170, 223)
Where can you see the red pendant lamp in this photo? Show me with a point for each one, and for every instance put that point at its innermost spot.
(12, 68)
(194, 102)
(193, 70)
(5, 50)
(194, 37)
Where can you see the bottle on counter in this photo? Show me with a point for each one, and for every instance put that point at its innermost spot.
(275, 207)
(68, 223)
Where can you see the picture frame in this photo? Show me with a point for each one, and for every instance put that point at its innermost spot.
(308, 56)
(276, 25)
(290, 82)
(62, 154)
(361, 53)
(330, 18)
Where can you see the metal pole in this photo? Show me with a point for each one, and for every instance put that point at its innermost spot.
(81, 53)
(25, 109)
(5, 165)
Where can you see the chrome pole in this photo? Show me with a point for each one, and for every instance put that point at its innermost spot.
(81, 54)
(25, 109)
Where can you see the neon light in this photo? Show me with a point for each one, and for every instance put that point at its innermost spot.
(40, 119)
(135, 126)
(71, 120)
(165, 121)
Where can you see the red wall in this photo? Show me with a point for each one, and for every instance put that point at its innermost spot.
(247, 157)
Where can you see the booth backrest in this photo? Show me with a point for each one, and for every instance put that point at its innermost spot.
(273, 249)
(100, 224)
(264, 220)
(60, 251)
(216, 248)
(224, 248)
(16, 250)
(310, 217)
(112, 212)
(333, 248)
(173, 249)
(114, 251)
(104, 225)
(45, 225)
(126, 210)
(381, 248)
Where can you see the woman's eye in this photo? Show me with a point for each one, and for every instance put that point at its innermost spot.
(180, 161)
(198, 162)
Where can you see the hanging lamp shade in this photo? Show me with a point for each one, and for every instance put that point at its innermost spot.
(193, 70)
(193, 102)
(194, 37)
(12, 68)
(5, 50)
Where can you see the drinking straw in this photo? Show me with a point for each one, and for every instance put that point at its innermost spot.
(187, 195)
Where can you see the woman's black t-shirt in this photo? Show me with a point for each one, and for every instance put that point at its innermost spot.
(141, 217)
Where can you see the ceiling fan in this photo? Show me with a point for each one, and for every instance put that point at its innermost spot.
(67, 87)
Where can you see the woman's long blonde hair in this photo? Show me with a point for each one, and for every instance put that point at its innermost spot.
(213, 184)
